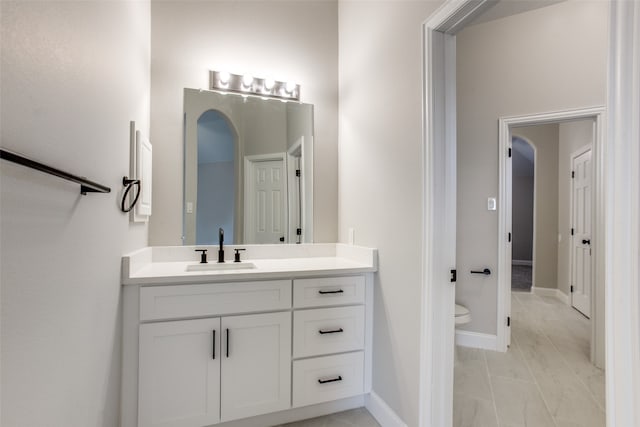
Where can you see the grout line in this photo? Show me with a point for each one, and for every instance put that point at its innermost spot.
(493, 395)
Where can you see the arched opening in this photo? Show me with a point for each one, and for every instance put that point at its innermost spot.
(216, 178)
(523, 187)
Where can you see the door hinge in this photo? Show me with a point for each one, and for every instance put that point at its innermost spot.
(573, 174)
(454, 276)
(509, 237)
(299, 231)
(572, 231)
(509, 152)
(297, 172)
(571, 288)
(508, 320)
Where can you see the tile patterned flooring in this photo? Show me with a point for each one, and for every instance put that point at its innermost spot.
(545, 379)
(359, 417)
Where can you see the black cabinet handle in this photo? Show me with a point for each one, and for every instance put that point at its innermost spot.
(486, 272)
(339, 291)
(213, 349)
(331, 380)
(334, 331)
(586, 241)
(227, 342)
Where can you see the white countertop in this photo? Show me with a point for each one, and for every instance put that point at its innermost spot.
(168, 265)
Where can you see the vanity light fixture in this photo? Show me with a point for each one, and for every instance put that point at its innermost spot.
(246, 84)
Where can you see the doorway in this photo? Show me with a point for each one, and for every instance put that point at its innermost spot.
(620, 178)
(523, 208)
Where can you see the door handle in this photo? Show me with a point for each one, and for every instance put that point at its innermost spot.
(586, 241)
(486, 272)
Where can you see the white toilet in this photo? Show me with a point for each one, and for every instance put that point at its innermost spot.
(462, 317)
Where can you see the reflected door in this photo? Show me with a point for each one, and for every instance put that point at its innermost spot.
(266, 187)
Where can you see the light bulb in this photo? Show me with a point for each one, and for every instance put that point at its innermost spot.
(268, 83)
(291, 86)
(224, 77)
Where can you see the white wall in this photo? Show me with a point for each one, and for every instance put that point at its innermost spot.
(549, 59)
(287, 40)
(545, 139)
(573, 135)
(380, 176)
(73, 75)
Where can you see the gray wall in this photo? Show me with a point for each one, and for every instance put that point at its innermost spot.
(573, 135)
(380, 191)
(73, 75)
(549, 59)
(545, 139)
(286, 40)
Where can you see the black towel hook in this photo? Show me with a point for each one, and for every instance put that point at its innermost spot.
(128, 183)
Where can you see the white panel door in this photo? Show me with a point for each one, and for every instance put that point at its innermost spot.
(581, 241)
(269, 202)
(256, 364)
(179, 373)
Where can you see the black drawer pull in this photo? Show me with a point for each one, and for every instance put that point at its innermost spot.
(331, 380)
(227, 342)
(339, 291)
(334, 331)
(214, 345)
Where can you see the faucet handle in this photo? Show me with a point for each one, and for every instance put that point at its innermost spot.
(203, 256)
(237, 255)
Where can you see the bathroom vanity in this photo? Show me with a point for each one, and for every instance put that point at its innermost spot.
(283, 335)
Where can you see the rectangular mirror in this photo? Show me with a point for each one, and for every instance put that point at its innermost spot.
(248, 169)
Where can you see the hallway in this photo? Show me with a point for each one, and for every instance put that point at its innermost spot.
(545, 379)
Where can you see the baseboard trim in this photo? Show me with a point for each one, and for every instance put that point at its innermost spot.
(384, 415)
(476, 340)
(522, 262)
(552, 292)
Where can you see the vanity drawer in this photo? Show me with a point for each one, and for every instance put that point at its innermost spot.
(180, 301)
(328, 330)
(322, 379)
(328, 291)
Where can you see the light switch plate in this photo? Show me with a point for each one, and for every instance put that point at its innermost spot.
(491, 204)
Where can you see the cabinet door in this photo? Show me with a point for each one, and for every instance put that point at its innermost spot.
(179, 373)
(256, 364)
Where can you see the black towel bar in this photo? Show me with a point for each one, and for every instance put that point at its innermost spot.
(86, 186)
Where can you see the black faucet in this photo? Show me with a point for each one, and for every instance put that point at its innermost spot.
(221, 239)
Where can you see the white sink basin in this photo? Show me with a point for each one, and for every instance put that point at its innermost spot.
(214, 266)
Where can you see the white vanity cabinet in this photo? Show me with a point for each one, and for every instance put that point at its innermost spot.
(328, 339)
(248, 353)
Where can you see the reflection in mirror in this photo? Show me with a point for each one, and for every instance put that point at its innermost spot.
(216, 179)
(248, 168)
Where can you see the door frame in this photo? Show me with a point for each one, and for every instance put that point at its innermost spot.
(505, 126)
(592, 296)
(621, 180)
(249, 212)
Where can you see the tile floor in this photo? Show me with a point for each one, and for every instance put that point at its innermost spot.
(545, 379)
(359, 417)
